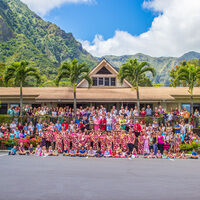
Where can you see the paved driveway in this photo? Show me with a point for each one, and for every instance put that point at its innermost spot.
(56, 178)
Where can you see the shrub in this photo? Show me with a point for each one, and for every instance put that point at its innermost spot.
(190, 147)
(6, 119)
(9, 142)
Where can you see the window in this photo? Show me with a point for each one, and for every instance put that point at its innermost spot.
(95, 82)
(107, 81)
(104, 81)
(100, 81)
(113, 81)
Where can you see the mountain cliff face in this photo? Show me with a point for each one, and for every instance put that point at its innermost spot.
(161, 64)
(24, 35)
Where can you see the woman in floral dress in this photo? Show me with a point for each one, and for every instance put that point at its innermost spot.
(109, 139)
(140, 144)
(103, 140)
(146, 143)
(48, 135)
(123, 140)
(178, 142)
(66, 140)
(95, 140)
(75, 140)
(58, 142)
(116, 141)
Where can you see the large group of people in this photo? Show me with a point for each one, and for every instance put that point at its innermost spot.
(101, 133)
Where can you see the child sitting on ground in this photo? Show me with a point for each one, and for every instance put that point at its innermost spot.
(56, 152)
(91, 152)
(151, 155)
(113, 153)
(13, 151)
(72, 152)
(145, 155)
(51, 152)
(107, 153)
(178, 154)
(98, 153)
(159, 155)
(31, 150)
(65, 152)
(38, 150)
(128, 154)
(170, 154)
(123, 154)
(165, 154)
(44, 152)
(183, 156)
(194, 154)
(82, 152)
(21, 149)
(118, 153)
(134, 154)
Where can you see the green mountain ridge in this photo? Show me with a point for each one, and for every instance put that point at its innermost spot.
(161, 64)
(26, 36)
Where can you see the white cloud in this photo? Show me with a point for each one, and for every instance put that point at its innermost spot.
(42, 7)
(175, 31)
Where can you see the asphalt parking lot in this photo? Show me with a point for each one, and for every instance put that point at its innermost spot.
(56, 178)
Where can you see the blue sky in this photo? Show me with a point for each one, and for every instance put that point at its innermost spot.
(102, 17)
(121, 27)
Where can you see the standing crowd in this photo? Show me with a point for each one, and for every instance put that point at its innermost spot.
(101, 133)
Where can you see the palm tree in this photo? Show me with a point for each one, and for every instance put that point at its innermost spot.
(74, 73)
(134, 72)
(187, 74)
(18, 72)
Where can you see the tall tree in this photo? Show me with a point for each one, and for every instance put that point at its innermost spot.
(134, 72)
(186, 74)
(74, 73)
(18, 72)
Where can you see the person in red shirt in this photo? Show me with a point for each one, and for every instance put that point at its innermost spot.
(65, 124)
(81, 125)
(103, 123)
(20, 127)
(143, 115)
(137, 128)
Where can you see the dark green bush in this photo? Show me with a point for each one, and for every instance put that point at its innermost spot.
(190, 147)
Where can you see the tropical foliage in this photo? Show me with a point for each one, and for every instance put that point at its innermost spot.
(74, 73)
(186, 74)
(135, 72)
(25, 36)
(17, 73)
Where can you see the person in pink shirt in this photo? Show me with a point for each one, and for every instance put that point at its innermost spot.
(96, 122)
(160, 142)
